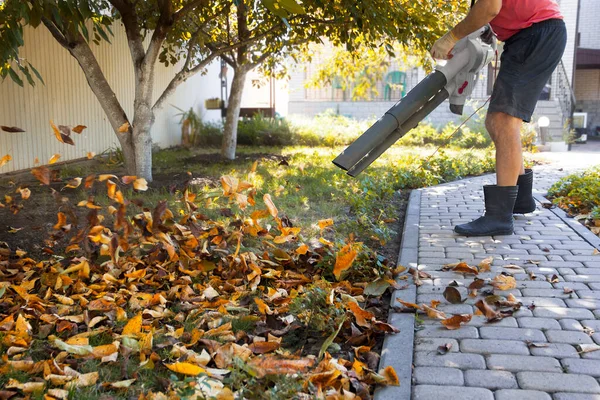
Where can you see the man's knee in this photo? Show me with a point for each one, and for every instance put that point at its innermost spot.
(500, 124)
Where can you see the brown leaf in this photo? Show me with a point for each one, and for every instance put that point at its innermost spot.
(263, 347)
(433, 313)
(269, 365)
(363, 317)
(62, 134)
(455, 321)
(452, 295)
(461, 268)
(504, 282)
(485, 265)
(11, 129)
(79, 128)
(42, 174)
(409, 305)
(567, 290)
(445, 348)
(487, 311)
(554, 279)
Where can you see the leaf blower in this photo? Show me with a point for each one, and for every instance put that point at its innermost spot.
(454, 79)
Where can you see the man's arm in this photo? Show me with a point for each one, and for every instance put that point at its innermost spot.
(482, 13)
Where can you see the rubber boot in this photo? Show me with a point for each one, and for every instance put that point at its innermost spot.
(498, 218)
(525, 203)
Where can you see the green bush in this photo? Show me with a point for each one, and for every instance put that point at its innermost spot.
(577, 193)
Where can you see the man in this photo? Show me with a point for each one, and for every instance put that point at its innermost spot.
(534, 37)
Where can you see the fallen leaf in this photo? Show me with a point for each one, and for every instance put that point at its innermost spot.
(485, 265)
(377, 287)
(455, 321)
(586, 347)
(263, 347)
(343, 260)
(324, 223)
(391, 378)
(461, 268)
(409, 305)
(270, 206)
(11, 129)
(363, 317)
(433, 313)
(487, 311)
(185, 368)
(79, 128)
(452, 295)
(42, 174)
(567, 290)
(90, 155)
(62, 134)
(133, 326)
(25, 193)
(445, 348)
(268, 365)
(504, 282)
(140, 184)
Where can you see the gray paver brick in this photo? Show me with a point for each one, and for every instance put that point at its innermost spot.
(516, 363)
(558, 350)
(554, 293)
(488, 332)
(579, 366)
(489, 346)
(570, 337)
(542, 301)
(438, 331)
(432, 344)
(429, 392)
(450, 360)
(490, 379)
(576, 396)
(571, 325)
(538, 323)
(562, 313)
(437, 376)
(588, 294)
(515, 394)
(590, 304)
(554, 382)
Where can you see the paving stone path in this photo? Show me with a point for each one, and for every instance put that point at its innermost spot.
(497, 360)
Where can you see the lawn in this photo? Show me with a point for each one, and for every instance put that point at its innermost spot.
(267, 277)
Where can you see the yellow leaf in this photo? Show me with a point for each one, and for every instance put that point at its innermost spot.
(140, 184)
(324, 223)
(325, 242)
(185, 368)
(54, 158)
(90, 155)
(504, 282)
(484, 265)
(134, 326)
(270, 206)
(25, 193)
(122, 384)
(5, 159)
(391, 378)
(124, 128)
(263, 308)
(344, 260)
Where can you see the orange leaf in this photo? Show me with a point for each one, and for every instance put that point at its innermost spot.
(268, 365)
(324, 223)
(263, 308)
(134, 326)
(464, 268)
(79, 128)
(62, 133)
(111, 189)
(391, 378)
(343, 260)
(504, 282)
(42, 174)
(263, 347)
(409, 305)
(363, 317)
(455, 321)
(485, 265)
(90, 155)
(303, 249)
(104, 177)
(124, 128)
(5, 159)
(270, 206)
(73, 183)
(54, 159)
(62, 221)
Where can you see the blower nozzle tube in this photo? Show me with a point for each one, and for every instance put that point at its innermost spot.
(372, 141)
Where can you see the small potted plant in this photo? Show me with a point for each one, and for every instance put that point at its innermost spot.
(212, 103)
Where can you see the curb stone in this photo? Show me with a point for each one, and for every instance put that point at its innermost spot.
(398, 349)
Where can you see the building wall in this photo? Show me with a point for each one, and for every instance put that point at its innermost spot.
(570, 9)
(589, 26)
(587, 92)
(67, 99)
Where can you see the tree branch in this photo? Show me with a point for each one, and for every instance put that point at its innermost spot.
(187, 8)
(55, 32)
(132, 29)
(165, 21)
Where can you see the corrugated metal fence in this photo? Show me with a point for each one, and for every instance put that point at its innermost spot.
(67, 100)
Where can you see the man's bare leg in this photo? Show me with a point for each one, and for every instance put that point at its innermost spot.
(505, 131)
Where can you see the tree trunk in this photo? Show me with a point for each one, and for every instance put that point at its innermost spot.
(233, 113)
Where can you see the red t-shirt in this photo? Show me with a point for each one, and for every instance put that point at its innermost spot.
(517, 15)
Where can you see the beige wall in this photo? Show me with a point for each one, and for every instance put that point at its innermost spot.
(67, 99)
(587, 84)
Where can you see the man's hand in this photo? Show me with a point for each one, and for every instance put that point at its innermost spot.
(444, 45)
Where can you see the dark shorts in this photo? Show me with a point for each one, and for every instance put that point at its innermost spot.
(528, 60)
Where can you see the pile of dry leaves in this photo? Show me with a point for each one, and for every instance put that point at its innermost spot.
(207, 309)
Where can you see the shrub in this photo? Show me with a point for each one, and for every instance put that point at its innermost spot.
(577, 193)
